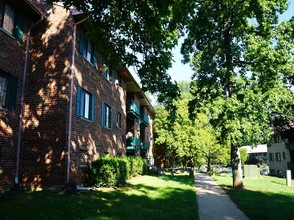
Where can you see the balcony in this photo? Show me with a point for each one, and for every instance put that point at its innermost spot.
(144, 120)
(145, 146)
(133, 109)
(133, 144)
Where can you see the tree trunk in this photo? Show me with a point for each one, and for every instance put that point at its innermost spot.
(208, 164)
(236, 167)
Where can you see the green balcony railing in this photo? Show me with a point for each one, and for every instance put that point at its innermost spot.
(145, 146)
(133, 143)
(133, 109)
(144, 119)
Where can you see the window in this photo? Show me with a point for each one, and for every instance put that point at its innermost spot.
(109, 75)
(11, 21)
(106, 116)
(85, 104)
(87, 49)
(278, 157)
(3, 91)
(284, 156)
(271, 157)
(118, 120)
(8, 89)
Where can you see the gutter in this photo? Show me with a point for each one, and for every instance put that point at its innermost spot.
(16, 179)
(71, 99)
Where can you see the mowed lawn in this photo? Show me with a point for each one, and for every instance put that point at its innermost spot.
(264, 198)
(144, 197)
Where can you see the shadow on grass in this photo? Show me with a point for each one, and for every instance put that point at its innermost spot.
(136, 201)
(262, 205)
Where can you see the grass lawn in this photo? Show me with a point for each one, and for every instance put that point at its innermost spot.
(144, 197)
(264, 198)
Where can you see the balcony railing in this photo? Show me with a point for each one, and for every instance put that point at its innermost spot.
(145, 146)
(133, 109)
(144, 119)
(133, 143)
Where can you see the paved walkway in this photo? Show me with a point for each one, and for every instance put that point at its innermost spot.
(213, 202)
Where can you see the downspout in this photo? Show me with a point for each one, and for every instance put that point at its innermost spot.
(72, 72)
(16, 179)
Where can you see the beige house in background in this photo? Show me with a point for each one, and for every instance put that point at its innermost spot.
(281, 153)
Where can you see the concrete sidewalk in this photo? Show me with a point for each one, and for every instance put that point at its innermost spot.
(213, 202)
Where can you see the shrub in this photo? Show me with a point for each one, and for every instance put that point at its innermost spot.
(138, 165)
(105, 171)
(112, 171)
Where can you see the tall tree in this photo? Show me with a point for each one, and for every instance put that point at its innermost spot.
(241, 60)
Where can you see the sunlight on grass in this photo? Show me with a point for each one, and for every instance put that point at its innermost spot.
(263, 198)
(144, 197)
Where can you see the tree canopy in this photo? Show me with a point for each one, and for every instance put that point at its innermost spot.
(189, 141)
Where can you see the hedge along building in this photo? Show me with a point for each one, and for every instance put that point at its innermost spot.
(72, 110)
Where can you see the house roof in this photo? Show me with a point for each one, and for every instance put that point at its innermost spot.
(262, 148)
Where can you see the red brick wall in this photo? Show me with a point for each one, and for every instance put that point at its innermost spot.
(89, 138)
(45, 122)
(46, 102)
(11, 62)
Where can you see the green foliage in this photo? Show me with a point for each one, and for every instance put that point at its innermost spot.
(105, 171)
(112, 171)
(243, 155)
(187, 140)
(137, 165)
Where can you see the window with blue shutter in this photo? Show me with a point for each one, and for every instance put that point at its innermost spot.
(12, 21)
(107, 116)
(83, 43)
(19, 26)
(109, 75)
(8, 91)
(85, 104)
(87, 48)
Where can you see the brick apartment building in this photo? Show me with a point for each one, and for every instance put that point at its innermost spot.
(60, 108)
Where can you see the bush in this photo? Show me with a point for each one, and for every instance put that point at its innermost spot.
(105, 171)
(112, 171)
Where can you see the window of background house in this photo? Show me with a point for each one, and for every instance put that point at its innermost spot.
(8, 89)
(11, 21)
(106, 116)
(87, 48)
(118, 120)
(278, 157)
(85, 104)
(284, 156)
(271, 157)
